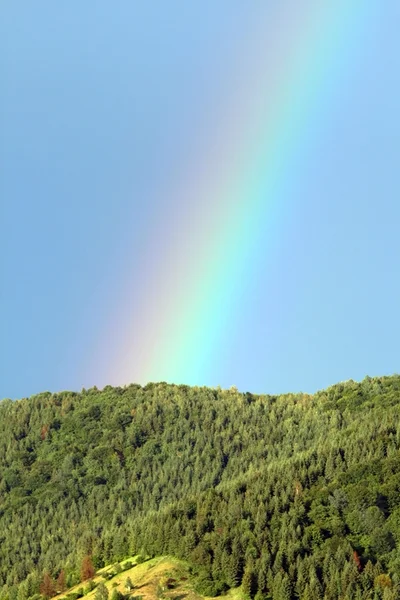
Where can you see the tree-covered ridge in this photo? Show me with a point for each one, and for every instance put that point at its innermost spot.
(292, 496)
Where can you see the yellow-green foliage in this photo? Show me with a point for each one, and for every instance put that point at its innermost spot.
(147, 578)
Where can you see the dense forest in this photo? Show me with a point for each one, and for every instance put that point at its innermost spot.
(291, 497)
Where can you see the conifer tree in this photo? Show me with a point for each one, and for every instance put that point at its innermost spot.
(47, 587)
(101, 592)
(249, 581)
(87, 568)
(61, 585)
(128, 584)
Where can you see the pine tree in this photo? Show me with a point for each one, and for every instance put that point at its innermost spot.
(368, 576)
(315, 585)
(262, 577)
(120, 548)
(248, 581)
(87, 568)
(389, 594)
(61, 585)
(286, 589)
(47, 588)
(23, 591)
(306, 595)
(282, 589)
(101, 592)
(230, 568)
(128, 584)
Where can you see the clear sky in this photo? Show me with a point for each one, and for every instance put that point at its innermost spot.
(199, 192)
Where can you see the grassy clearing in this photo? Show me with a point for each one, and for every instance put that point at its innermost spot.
(161, 578)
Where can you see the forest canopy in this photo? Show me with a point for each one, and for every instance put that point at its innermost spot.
(290, 496)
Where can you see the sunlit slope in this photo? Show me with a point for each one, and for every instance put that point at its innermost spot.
(160, 578)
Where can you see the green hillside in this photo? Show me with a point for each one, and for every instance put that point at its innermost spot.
(290, 496)
(160, 578)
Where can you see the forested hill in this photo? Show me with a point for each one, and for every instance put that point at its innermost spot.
(291, 496)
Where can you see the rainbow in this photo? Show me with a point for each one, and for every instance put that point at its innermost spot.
(225, 211)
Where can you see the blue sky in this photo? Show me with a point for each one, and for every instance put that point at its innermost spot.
(100, 103)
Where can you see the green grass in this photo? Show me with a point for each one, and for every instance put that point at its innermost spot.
(160, 578)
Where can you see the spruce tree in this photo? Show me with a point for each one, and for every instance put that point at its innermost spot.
(101, 592)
